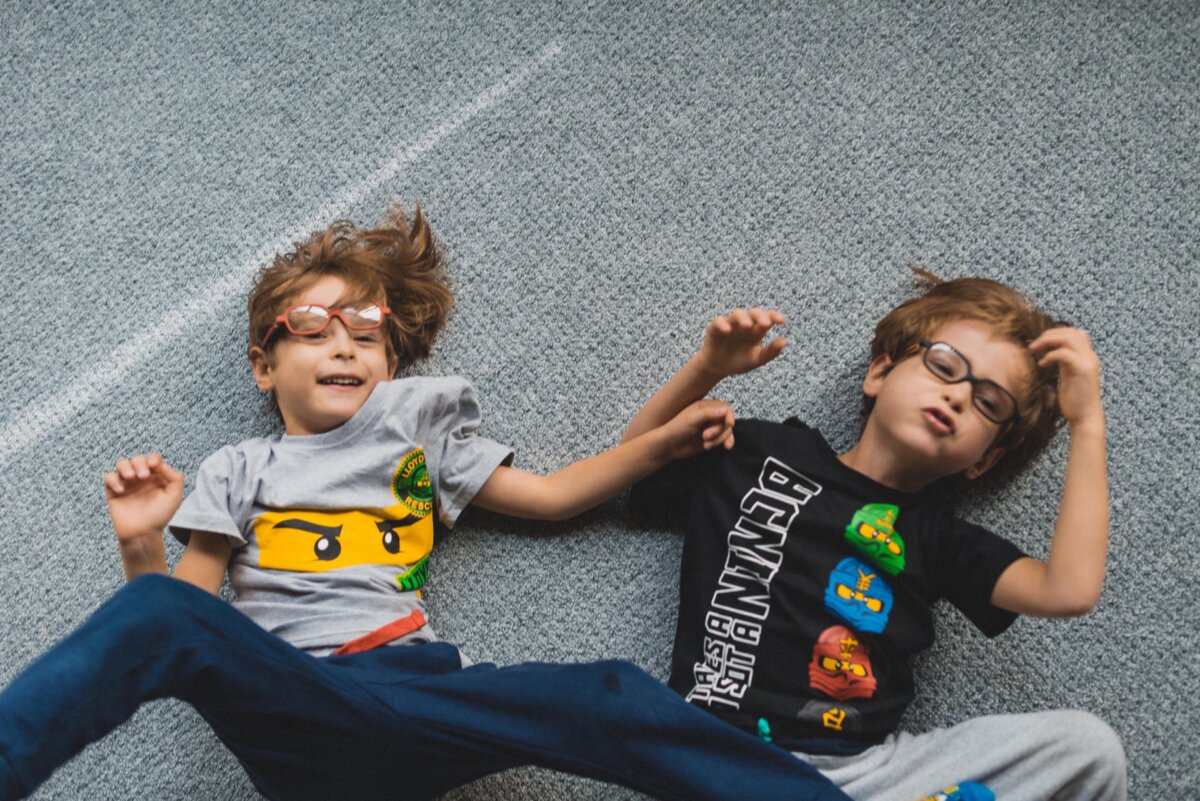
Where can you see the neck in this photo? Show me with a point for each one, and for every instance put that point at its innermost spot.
(871, 457)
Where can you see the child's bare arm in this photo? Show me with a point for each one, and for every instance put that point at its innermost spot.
(732, 344)
(143, 492)
(204, 561)
(1069, 582)
(702, 425)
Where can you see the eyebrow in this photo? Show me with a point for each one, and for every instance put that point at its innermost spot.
(971, 365)
(312, 528)
(392, 525)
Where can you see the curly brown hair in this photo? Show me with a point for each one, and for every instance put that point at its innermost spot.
(397, 263)
(1012, 316)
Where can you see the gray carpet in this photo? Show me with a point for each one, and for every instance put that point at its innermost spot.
(604, 178)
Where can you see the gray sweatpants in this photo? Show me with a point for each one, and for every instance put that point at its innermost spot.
(1040, 756)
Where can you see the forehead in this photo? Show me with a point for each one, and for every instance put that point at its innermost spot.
(991, 355)
(330, 290)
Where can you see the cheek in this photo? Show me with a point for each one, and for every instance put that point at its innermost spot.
(381, 362)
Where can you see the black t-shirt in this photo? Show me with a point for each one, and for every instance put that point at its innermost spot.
(806, 587)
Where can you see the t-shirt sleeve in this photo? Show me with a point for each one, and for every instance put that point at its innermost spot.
(666, 495)
(970, 559)
(459, 460)
(219, 502)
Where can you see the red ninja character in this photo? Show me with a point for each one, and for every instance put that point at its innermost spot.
(841, 665)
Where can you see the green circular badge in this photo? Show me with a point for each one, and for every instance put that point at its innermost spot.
(411, 484)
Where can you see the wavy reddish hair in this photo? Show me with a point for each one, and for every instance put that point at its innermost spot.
(396, 263)
(1012, 316)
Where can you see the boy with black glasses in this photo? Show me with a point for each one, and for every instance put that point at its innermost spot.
(808, 576)
(326, 680)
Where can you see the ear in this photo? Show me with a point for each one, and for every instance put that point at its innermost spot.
(880, 367)
(261, 365)
(985, 464)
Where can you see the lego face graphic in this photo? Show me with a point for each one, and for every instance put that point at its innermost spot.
(841, 665)
(313, 541)
(872, 531)
(858, 596)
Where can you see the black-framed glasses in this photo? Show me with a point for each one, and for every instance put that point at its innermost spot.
(310, 319)
(992, 400)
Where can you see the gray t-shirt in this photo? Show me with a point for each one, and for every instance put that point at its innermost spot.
(331, 532)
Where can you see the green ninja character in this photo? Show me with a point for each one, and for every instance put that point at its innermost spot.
(872, 531)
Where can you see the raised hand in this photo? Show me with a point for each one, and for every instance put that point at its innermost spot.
(143, 493)
(733, 342)
(1070, 350)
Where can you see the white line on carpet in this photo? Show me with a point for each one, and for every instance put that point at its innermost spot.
(46, 416)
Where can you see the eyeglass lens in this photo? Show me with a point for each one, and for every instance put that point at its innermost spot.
(952, 367)
(314, 319)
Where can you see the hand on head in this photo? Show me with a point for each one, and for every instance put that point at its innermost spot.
(1070, 350)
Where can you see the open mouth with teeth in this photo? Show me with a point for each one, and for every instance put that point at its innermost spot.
(341, 381)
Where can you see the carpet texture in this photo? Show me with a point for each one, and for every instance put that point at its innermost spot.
(604, 178)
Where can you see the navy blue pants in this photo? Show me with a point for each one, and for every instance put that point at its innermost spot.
(404, 722)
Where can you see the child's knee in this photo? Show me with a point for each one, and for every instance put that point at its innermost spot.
(1103, 745)
(619, 677)
(150, 604)
(1094, 744)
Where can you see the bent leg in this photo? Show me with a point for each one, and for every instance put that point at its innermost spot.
(1063, 755)
(403, 722)
(160, 637)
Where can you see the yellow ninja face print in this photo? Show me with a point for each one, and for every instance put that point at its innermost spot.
(312, 541)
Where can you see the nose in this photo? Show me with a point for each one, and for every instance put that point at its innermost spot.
(341, 339)
(957, 395)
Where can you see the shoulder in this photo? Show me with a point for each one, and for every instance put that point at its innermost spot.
(230, 455)
(416, 398)
(430, 406)
(231, 461)
(958, 542)
(770, 434)
(427, 389)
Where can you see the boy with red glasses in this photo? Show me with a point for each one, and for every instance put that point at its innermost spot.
(808, 575)
(324, 677)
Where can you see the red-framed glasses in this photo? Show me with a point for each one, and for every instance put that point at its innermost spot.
(310, 319)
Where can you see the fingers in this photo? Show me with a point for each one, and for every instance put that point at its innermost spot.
(129, 473)
(1065, 347)
(715, 420)
(1054, 337)
(113, 486)
(1066, 359)
(772, 350)
(1065, 337)
(747, 322)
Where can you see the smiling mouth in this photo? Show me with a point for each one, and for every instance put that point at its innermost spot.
(341, 382)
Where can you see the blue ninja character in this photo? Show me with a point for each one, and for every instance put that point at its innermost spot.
(967, 791)
(859, 596)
